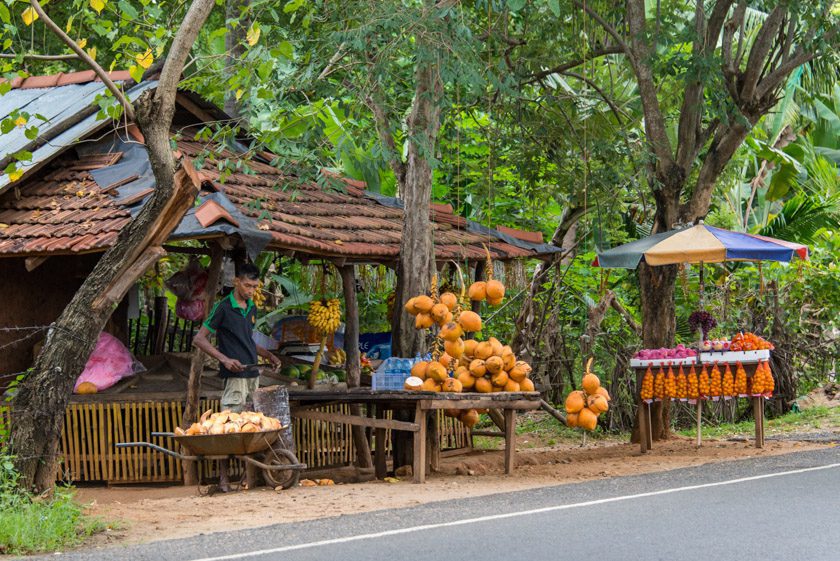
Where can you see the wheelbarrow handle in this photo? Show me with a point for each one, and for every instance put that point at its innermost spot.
(163, 434)
(158, 448)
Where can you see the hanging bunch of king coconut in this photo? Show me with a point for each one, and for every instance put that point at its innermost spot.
(584, 406)
(464, 365)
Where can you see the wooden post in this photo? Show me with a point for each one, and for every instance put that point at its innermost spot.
(353, 364)
(191, 412)
(642, 413)
(161, 320)
(379, 442)
(699, 422)
(510, 439)
(419, 460)
(758, 413)
(433, 442)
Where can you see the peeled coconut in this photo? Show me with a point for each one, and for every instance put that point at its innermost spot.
(413, 383)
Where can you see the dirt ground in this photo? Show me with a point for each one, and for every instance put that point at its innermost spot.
(142, 514)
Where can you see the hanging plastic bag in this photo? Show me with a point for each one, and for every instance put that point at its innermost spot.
(109, 363)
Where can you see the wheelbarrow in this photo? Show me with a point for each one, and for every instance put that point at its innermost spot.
(258, 450)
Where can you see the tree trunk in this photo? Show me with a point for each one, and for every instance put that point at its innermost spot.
(656, 285)
(416, 261)
(353, 365)
(42, 398)
(236, 29)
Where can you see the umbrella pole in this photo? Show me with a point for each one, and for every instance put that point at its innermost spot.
(702, 284)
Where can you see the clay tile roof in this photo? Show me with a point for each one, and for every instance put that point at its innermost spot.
(524, 235)
(62, 79)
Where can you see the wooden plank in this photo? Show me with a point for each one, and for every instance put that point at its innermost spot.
(642, 416)
(479, 404)
(77, 449)
(357, 421)
(419, 459)
(490, 433)
(433, 440)
(510, 440)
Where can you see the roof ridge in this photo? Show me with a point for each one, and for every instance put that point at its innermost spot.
(65, 79)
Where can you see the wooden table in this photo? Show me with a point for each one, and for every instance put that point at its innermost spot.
(423, 403)
(644, 416)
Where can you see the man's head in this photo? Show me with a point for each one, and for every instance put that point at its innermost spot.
(246, 281)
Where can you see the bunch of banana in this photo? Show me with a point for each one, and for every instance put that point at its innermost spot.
(259, 296)
(338, 357)
(325, 315)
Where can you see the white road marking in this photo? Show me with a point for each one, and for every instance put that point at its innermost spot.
(507, 515)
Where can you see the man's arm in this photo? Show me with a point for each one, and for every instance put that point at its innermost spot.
(202, 342)
(272, 358)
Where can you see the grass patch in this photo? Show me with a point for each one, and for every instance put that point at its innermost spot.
(30, 524)
(545, 429)
(816, 418)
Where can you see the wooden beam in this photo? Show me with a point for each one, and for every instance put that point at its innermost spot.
(479, 404)
(193, 108)
(32, 263)
(187, 250)
(114, 293)
(356, 421)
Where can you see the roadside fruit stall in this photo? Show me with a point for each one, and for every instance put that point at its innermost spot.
(721, 370)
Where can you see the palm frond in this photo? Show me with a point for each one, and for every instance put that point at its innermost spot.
(803, 218)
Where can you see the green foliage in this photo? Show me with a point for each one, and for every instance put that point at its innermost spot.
(30, 524)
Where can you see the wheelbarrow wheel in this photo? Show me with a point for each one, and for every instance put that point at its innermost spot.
(277, 477)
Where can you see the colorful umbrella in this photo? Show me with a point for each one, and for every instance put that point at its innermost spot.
(699, 244)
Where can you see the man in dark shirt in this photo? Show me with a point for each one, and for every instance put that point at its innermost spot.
(232, 322)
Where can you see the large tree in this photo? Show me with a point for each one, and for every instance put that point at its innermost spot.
(705, 74)
(43, 396)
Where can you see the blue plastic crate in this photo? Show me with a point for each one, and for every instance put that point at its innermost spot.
(388, 380)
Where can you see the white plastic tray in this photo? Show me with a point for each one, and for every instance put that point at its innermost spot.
(639, 363)
(731, 357)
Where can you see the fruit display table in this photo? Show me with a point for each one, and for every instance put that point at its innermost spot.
(735, 374)
(422, 403)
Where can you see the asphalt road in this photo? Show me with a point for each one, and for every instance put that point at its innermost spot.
(784, 508)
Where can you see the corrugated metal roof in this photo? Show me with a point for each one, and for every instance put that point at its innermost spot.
(59, 105)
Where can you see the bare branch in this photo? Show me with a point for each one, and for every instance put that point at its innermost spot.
(759, 52)
(776, 77)
(607, 27)
(128, 108)
(337, 56)
(560, 68)
(386, 136)
(616, 111)
(194, 19)
(40, 57)
(655, 129)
